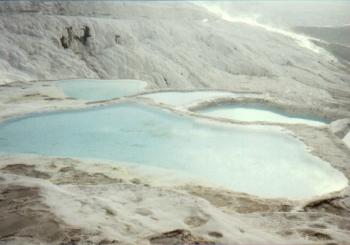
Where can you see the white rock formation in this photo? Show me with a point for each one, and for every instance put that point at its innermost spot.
(340, 127)
(168, 45)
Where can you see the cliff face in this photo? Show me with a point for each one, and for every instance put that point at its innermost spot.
(167, 44)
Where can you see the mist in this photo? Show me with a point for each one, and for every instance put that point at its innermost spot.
(288, 13)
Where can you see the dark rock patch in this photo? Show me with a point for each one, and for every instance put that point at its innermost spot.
(215, 234)
(314, 235)
(179, 237)
(333, 205)
(25, 170)
(23, 214)
(70, 175)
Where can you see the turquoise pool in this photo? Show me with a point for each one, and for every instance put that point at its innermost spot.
(94, 90)
(254, 113)
(260, 160)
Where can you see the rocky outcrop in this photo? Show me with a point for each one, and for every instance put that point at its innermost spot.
(179, 237)
(72, 36)
(340, 127)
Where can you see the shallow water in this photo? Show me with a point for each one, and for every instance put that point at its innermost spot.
(252, 113)
(187, 98)
(260, 160)
(94, 90)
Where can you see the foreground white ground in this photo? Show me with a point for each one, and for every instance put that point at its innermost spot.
(61, 199)
(68, 201)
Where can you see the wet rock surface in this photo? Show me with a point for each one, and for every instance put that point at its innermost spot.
(25, 215)
(239, 202)
(29, 195)
(178, 237)
(25, 170)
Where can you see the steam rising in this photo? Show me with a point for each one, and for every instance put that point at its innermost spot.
(301, 40)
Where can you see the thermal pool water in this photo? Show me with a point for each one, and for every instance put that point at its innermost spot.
(254, 113)
(260, 160)
(94, 90)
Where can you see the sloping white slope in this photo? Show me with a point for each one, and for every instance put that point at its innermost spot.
(170, 46)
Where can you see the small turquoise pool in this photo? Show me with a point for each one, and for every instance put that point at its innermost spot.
(94, 90)
(260, 160)
(254, 113)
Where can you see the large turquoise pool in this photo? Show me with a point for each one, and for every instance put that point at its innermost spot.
(261, 160)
